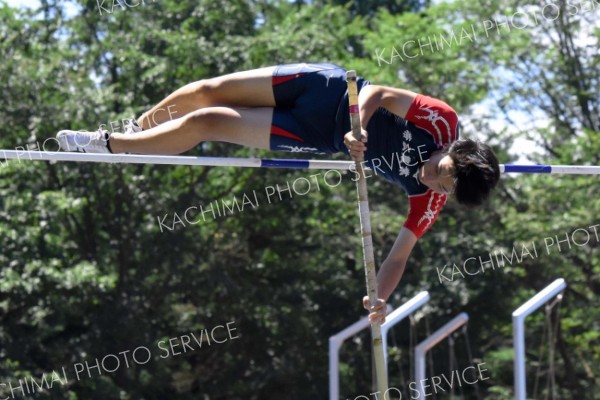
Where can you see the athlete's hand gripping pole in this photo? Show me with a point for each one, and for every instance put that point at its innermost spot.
(367, 240)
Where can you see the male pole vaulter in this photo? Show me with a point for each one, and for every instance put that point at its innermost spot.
(412, 139)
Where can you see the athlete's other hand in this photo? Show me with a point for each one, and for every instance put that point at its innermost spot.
(356, 148)
(377, 311)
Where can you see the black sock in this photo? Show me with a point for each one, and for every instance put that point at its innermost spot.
(107, 139)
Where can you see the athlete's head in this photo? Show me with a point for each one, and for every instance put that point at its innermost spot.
(467, 169)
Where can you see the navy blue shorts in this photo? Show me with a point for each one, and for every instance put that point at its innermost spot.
(311, 112)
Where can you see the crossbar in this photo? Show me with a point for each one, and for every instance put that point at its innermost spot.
(32, 155)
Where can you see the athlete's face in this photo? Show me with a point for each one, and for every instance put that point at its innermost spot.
(436, 173)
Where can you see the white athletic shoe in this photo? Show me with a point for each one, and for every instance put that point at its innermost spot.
(84, 142)
(132, 127)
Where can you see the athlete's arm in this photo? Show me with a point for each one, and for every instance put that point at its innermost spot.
(372, 97)
(390, 273)
(397, 101)
(393, 267)
(428, 113)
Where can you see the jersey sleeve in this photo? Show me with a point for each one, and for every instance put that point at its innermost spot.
(435, 117)
(424, 210)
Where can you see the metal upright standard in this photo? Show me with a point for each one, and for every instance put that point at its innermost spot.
(335, 343)
(392, 318)
(518, 316)
(399, 314)
(422, 348)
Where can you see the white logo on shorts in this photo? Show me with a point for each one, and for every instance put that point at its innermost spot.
(298, 149)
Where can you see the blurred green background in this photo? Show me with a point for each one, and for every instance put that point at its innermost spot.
(86, 270)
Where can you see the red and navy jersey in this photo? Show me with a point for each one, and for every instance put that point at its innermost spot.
(440, 121)
(398, 147)
(435, 117)
(311, 115)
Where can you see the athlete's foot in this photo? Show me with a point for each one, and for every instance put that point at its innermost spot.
(84, 142)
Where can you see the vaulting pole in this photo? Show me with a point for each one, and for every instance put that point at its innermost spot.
(367, 240)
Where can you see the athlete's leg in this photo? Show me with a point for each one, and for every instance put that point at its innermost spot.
(241, 89)
(250, 127)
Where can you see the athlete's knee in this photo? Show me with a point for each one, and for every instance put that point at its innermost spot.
(204, 89)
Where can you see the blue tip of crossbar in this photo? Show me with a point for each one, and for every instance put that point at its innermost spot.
(282, 163)
(528, 169)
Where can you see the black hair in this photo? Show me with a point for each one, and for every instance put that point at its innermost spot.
(476, 171)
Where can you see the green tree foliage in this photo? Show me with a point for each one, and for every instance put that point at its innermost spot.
(99, 259)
